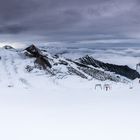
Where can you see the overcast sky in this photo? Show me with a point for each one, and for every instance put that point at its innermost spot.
(69, 20)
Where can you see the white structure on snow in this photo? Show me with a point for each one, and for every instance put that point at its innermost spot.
(138, 67)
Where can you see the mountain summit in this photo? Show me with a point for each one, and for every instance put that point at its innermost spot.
(18, 65)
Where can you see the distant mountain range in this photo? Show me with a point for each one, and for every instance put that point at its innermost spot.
(17, 62)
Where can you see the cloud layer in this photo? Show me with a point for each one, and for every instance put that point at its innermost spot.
(70, 20)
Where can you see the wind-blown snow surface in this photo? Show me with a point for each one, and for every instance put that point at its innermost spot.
(42, 108)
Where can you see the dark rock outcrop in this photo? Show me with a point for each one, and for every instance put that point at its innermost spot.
(41, 60)
(95, 73)
(86, 67)
(8, 47)
(117, 69)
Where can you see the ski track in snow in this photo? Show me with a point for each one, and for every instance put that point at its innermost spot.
(9, 71)
(5, 73)
(64, 109)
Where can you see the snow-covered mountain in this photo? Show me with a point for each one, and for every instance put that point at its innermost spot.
(45, 96)
(18, 66)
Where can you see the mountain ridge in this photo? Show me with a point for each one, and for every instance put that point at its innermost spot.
(17, 65)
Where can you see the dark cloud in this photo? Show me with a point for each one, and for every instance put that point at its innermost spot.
(70, 20)
(12, 29)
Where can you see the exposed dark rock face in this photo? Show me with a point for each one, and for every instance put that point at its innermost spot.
(100, 75)
(117, 69)
(62, 62)
(29, 68)
(34, 51)
(86, 67)
(41, 60)
(74, 71)
(95, 73)
(7, 47)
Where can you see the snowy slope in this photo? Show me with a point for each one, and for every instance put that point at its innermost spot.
(33, 67)
(38, 105)
(25, 68)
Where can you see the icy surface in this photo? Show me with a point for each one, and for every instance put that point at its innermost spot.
(34, 106)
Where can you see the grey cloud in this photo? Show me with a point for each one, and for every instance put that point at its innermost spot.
(12, 29)
(75, 20)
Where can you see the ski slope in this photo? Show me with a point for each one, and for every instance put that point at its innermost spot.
(35, 106)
